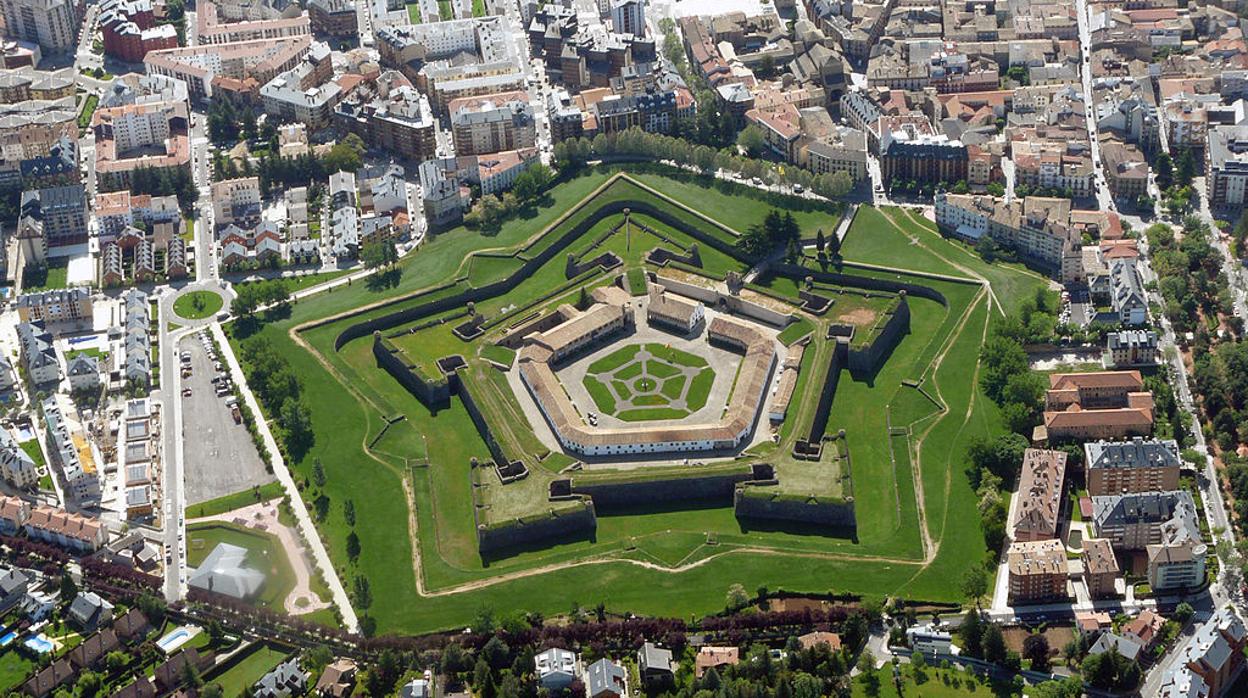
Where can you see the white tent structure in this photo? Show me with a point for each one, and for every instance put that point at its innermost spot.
(223, 572)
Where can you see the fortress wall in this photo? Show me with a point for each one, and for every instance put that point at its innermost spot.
(483, 427)
(677, 487)
(433, 392)
(867, 282)
(867, 359)
(840, 355)
(538, 527)
(759, 503)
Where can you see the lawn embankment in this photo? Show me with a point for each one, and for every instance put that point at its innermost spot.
(237, 500)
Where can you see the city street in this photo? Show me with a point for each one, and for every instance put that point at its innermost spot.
(1210, 489)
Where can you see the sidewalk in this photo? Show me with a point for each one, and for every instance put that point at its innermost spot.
(319, 555)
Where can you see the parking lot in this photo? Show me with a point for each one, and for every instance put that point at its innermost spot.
(218, 454)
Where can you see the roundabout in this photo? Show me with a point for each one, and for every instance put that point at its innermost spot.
(198, 304)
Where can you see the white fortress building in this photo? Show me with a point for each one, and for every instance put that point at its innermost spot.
(611, 314)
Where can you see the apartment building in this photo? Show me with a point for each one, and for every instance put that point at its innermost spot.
(442, 196)
(80, 534)
(1126, 170)
(1128, 299)
(1040, 491)
(1038, 228)
(54, 306)
(909, 154)
(333, 17)
(1227, 165)
(211, 29)
(51, 218)
(305, 94)
(71, 454)
(1037, 571)
(1137, 465)
(236, 202)
(38, 355)
(16, 467)
(1054, 164)
(149, 135)
(1176, 565)
(1211, 662)
(395, 117)
(628, 16)
(1130, 348)
(52, 24)
(492, 123)
(238, 68)
(129, 30)
(1136, 520)
(1100, 568)
(117, 210)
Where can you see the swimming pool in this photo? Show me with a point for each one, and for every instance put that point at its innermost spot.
(176, 638)
(39, 643)
(8, 638)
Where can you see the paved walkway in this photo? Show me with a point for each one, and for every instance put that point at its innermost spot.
(263, 517)
(310, 534)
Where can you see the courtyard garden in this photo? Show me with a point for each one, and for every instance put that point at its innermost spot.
(649, 382)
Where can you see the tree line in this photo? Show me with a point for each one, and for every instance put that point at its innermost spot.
(634, 142)
(280, 390)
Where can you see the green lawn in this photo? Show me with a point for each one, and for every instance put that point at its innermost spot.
(349, 404)
(240, 677)
(498, 354)
(794, 332)
(238, 500)
(935, 683)
(14, 669)
(88, 110)
(198, 305)
(55, 275)
(600, 394)
(637, 281)
(89, 351)
(302, 281)
(700, 389)
(32, 449)
(264, 553)
(614, 360)
(642, 414)
(413, 12)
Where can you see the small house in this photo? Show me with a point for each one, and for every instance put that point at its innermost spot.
(605, 679)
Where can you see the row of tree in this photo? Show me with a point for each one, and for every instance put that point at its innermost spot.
(166, 181)
(636, 143)
(280, 390)
(776, 230)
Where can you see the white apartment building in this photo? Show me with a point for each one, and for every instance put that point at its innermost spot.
(138, 126)
(53, 24)
(234, 200)
(16, 467)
